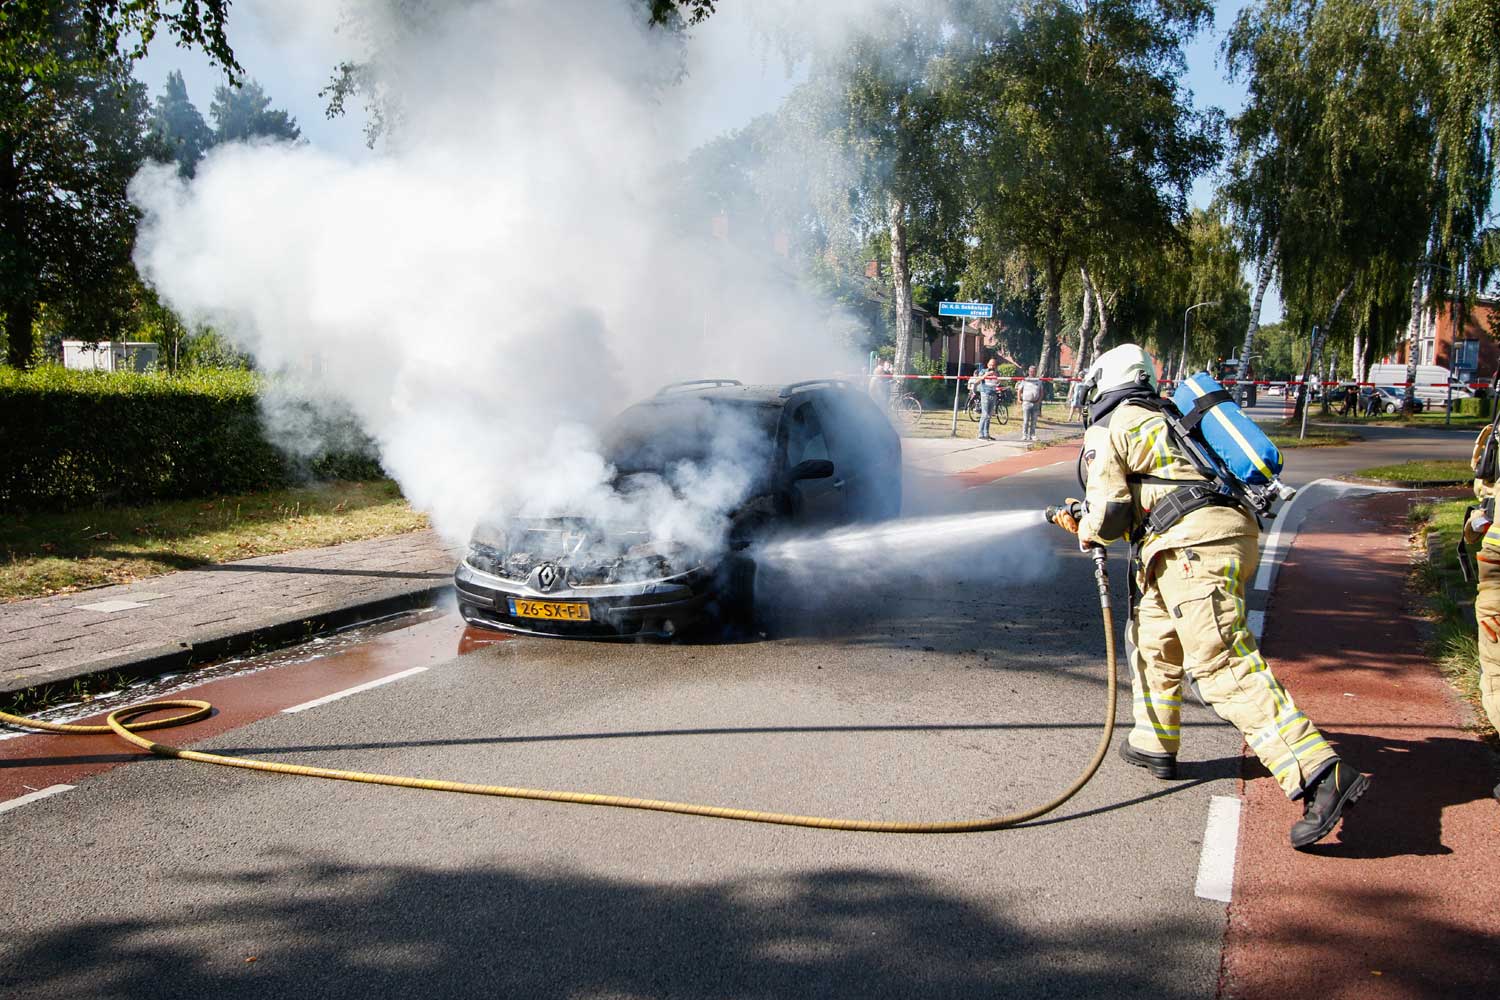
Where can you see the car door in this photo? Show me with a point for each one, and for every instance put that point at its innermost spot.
(866, 453)
(814, 501)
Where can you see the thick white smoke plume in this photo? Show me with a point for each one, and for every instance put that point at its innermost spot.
(514, 266)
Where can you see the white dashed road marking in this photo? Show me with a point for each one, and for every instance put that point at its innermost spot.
(43, 793)
(354, 690)
(1220, 839)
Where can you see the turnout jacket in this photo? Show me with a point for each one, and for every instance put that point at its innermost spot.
(1133, 441)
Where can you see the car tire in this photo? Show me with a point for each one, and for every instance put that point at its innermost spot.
(736, 599)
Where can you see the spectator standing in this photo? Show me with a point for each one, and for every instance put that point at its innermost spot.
(988, 385)
(1031, 403)
(1075, 400)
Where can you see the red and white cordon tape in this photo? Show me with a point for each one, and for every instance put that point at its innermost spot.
(1476, 384)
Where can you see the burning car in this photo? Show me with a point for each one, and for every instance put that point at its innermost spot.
(747, 463)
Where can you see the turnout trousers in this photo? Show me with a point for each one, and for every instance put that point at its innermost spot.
(1191, 619)
(1487, 615)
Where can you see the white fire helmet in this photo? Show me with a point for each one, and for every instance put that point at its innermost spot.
(1119, 368)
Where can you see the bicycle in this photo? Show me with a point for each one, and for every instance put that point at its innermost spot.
(1000, 414)
(907, 408)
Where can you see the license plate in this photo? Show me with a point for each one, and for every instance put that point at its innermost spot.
(568, 611)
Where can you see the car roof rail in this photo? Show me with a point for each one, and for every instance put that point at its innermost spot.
(690, 383)
(837, 383)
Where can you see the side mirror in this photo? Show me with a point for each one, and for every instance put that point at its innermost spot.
(813, 468)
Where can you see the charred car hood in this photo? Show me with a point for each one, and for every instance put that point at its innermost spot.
(577, 552)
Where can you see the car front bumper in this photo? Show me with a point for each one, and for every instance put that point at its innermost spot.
(648, 609)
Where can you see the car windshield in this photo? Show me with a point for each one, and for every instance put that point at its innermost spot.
(660, 436)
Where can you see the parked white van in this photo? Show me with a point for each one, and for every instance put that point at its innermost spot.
(1431, 382)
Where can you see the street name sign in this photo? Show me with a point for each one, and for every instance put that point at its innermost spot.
(968, 310)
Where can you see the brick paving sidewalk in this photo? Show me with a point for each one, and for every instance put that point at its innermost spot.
(1400, 901)
(188, 615)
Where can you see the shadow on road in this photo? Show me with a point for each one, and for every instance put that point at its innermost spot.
(301, 925)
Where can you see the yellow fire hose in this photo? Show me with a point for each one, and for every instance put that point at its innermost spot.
(120, 722)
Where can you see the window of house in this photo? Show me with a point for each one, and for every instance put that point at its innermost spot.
(1466, 355)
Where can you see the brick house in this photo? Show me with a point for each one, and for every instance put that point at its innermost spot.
(1469, 350)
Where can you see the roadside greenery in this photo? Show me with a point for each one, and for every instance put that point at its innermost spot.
(79, 438)
(1455, 641)
(1428, 472)
(50, 553)
(1317, 437)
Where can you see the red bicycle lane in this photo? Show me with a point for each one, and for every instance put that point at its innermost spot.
(1402, 900)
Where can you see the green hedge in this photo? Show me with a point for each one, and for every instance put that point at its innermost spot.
(1474, 407)
(69, 439)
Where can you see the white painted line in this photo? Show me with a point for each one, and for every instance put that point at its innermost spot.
(1257, 621)
(44, 793)
(354, 690)
(1220, 840)
(1273, 551)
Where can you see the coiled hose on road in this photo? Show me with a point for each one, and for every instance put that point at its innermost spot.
(122, 723)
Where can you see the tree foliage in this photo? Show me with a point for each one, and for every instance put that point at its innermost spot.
(110, 29)
(245, 112)
(1085, 144)
(72, 134)
(178, 127)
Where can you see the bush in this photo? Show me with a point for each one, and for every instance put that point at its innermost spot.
(1476, 407)
(78, 438)
(931, 391)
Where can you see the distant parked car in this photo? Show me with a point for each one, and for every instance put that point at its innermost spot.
(1388, 399)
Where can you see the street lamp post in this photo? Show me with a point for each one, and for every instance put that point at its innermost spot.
(1182, 362)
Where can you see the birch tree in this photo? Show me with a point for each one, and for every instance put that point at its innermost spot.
(1085, 140)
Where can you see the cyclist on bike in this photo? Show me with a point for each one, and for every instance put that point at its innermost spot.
(989, 394)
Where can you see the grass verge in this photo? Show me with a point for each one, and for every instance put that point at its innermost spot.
(1429, 419)
(937, 423)
(42, 554)
(1419, 471)
(1285, 436)
(1455, 643)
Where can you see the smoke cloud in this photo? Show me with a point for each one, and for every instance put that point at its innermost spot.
(509, 270)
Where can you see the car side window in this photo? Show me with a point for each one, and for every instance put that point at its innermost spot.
(806, 439)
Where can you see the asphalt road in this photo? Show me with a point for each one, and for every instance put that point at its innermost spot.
(944, 680)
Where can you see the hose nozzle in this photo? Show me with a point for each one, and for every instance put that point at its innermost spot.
(1073, 508)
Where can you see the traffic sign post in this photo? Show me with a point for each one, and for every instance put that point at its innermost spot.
(963, 310)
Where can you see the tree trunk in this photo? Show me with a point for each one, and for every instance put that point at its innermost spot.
(1315, 350)
(1262, 280)
(1413, 340)
(1357, 357)
(20, 302)
(1050, 332)
(901, 277)
(20, 331)
(1101, 316)
(1085, 328)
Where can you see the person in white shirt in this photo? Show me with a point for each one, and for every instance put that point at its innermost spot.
(1031, 403)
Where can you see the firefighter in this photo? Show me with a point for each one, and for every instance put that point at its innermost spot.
(1193, 551)
(1482, 531)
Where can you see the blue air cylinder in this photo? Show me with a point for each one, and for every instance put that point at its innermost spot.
(1243, 447)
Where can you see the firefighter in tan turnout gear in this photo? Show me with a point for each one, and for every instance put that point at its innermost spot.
(1482, 531)
(1195, 550)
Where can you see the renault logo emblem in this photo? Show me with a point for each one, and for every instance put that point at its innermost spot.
(546, 577)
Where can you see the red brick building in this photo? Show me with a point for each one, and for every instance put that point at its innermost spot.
(1468, 350)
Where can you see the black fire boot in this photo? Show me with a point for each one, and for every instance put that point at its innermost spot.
(1161, 765)
(1325, 800)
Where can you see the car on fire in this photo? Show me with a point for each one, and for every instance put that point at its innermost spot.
(805, 456)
